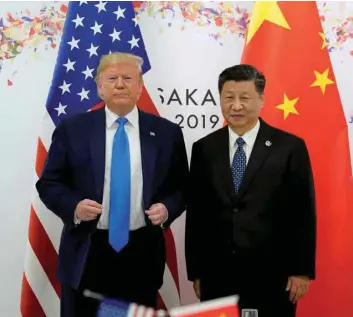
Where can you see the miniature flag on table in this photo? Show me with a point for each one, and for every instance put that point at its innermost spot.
(222, 307)
(116, 308)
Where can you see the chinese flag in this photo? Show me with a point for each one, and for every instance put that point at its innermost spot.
(285, 40)
(221, 307)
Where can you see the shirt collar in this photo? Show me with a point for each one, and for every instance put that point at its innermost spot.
(249, 137)
(111, 117)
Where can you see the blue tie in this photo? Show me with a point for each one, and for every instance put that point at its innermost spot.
(238, 164)
(119, 214)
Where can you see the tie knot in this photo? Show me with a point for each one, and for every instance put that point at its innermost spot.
(121, 121)
(240, 142)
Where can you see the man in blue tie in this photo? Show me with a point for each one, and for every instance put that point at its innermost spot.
(250, 220)
(116, 177)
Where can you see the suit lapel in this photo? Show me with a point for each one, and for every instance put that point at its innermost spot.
(97, 149)
(261, 149)
(224, 168)
(148, 155)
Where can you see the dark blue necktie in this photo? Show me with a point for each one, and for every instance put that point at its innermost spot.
(238, 164)
(119, 214)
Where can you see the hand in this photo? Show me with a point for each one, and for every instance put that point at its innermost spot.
(157, 213)
(197, 288)
(297, 287)
(88, 210)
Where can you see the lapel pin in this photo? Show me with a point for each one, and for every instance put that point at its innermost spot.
(268, 143)
(152, 133)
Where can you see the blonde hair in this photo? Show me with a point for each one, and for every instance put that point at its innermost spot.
(117, 57)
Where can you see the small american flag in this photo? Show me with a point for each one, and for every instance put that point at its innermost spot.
(115, 308)
(91, 30)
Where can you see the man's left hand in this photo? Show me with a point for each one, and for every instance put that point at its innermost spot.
(157, 213)
(297, 287)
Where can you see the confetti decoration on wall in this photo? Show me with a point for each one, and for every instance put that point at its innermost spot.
(38, 31)
(226, 17)
(20, 30)
(10, 81)
(338, 26)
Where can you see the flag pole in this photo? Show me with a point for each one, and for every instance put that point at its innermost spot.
(88, 293)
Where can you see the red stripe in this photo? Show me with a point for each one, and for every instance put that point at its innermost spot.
(41, 155)
(146, 104)
(135, 310)
(136, 4)
(160, 303)
(98, 106)
(30, 306)
(145, 311)
(43, 249)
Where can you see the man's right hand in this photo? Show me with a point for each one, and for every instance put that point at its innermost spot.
(197, 288)
(88, 210)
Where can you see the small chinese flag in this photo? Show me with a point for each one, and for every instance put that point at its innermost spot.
(285, 40)
(222, 307)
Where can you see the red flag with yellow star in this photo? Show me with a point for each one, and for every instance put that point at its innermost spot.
(220, 307)
(285, 40)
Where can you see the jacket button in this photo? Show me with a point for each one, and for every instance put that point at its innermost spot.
(235, 210)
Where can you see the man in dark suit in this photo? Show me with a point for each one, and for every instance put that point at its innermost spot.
(250, 220)
(116, 178)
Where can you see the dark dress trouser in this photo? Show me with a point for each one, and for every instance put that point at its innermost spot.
(129, 275)
(259, 286)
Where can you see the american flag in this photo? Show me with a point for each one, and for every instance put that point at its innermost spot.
(91, 30)
(115, 308)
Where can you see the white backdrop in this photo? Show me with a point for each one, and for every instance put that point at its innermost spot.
(185, 54)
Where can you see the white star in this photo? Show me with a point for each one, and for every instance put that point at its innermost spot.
(115, 35)
(92, 50)
(69, 65)
(96, 28)
(83, 94)
(119, 13)
(61, 109)
(73, 43)
(65, 87)
(83, 2)
(78, 21)
(133, 42)
(101, 6)
(135, 20)
(88, 72)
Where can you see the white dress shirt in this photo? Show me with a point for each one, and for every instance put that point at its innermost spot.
(137, 219)
(249, 138)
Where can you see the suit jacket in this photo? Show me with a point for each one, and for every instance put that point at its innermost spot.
(74, 170)
(270, 221)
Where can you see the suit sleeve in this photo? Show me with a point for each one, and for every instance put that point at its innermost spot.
(302, 233)
(175, 201)
(53, 185)
(194, 239)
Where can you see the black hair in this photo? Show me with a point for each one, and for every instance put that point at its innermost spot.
(243, 72)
